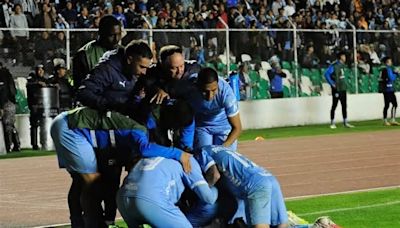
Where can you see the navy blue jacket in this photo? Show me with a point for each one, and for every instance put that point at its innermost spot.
(107, 87)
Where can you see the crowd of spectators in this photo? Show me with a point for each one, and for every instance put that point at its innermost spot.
(253, 14)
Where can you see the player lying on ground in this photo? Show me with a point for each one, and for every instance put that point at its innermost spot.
(153, 187)
(258, 188)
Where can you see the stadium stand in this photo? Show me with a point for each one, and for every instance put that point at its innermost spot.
(256, 47)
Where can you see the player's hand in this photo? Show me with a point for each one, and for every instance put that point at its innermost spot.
(185, 160)
(160, 96)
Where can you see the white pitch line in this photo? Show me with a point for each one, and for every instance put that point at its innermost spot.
(65, 224)
(54, 225)
(289, 198)
(340, 193)
(350, 208)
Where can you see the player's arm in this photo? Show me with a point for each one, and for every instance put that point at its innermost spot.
(208, 166)
(328, 75)
(236, 125)
(148, 149)
(92, 88)
(198, 184)
(187, 137)
(212, 175)
(232, 112)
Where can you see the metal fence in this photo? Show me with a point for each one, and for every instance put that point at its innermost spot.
(304, 54)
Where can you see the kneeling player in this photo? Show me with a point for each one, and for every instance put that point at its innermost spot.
(75, 133)
(259, 189)
(154, 186)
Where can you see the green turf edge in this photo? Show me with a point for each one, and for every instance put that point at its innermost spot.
(381, 215)
(268, 133)
(312, 130)
(27, 153)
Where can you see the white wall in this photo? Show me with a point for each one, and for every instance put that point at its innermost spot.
(307, 110)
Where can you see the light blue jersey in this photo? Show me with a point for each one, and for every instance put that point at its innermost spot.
(259, 189)
(240, 175)
(215, 113)
(152, 189)
(162, 181)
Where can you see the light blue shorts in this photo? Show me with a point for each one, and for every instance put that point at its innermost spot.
(137, 211)
(266, 204)
(74, 151)
(205, 136)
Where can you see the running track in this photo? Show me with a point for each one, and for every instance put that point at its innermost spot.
(33, 191)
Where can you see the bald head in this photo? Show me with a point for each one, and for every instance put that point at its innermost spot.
(172, 59)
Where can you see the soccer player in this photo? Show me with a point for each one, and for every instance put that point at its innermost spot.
(259, 189)
(216, 111)
(153, 187)
(77, 132)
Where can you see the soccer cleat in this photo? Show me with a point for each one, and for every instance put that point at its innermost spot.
(385, 123)
(348, 125)
(394, 123)
(333, 126)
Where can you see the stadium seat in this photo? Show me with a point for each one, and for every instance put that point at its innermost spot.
(286, 65)
(289, 74)
(245, 58)
(306, 81)
(305, 89)
(263, 89)
(326, 89)
(211, 65)
(266, 66)
(286, 91)
(306, 72)
(221, 67)
(263, 74)
(233, 67)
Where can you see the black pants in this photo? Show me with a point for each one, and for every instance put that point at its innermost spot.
(336, 97)
(276, 94)
(389, 97)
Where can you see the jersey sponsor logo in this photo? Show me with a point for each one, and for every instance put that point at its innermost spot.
(122, 83)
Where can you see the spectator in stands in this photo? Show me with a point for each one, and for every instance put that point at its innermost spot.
(7, 110)
(131, 16)
(6, 11)
(83, 20)
(310, 60)
(119, 14)
(275, 76)
(70, 14)
(46, 18)
(60, 46)
(44, 47)
(245, 82)
(388, 76)
(335, 76)
(18, 20)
